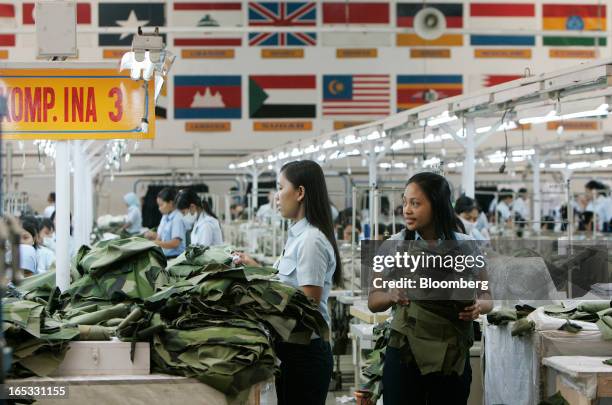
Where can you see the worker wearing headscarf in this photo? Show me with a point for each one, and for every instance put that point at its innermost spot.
(133, 220)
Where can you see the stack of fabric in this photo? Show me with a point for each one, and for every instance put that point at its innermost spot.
(203, 317)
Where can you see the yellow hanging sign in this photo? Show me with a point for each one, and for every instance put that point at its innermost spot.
(66, 104)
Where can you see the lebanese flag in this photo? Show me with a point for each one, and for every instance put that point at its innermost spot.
(209, 14)
(83, 13)
(7, 20)
(502, 16)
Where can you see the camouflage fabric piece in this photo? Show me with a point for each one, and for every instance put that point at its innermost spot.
(204, 318)
(120, 269)
(373, 369)
(39, 344)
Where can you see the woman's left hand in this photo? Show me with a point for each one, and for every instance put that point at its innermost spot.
(470, 313)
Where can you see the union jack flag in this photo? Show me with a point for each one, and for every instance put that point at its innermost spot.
(282, 14)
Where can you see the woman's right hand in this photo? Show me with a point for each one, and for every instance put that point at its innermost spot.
(397, 297)
(150, 235)
(241, 258)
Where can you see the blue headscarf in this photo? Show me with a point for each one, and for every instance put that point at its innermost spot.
(131, 199)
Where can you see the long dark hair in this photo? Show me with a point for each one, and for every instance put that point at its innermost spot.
(438, 193)
(308, 174)
(187, 196)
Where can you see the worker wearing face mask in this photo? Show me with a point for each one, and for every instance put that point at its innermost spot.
(467, 211)
(205, 228)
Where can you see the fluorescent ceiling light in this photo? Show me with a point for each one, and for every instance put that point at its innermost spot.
(443, 118)
(329, 144)
(400, 144)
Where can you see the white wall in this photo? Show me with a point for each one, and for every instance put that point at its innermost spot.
(318, 60)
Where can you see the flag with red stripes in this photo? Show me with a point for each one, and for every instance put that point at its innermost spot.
(7, 20)
(83, 13)
(351, 95)
(208, 14)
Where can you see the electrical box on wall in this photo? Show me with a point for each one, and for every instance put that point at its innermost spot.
(56, 28)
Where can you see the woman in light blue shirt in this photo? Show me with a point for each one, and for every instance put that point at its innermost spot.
(170, 235)
(310, 261)
(420, 363)
(133, 220)
(205, 228)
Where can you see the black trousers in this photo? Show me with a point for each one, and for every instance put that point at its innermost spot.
(305, 373)
(403, 384)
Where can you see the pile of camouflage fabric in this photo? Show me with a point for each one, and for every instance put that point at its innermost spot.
(204, 318)
(373, 369)
(38, 321)
(598, 312)
(218, 323)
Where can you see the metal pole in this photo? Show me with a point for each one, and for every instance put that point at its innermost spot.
(373, 182)
(255, 189)
(536, 193)
(353, 232)
(393, 213)
(9, 167)
(228, 213)
(375, 226)
(468, 178)
(62, 214)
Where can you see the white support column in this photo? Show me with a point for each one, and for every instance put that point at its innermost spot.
(373, 183)
(62, 215)
(468, 178)
(80, 229)
(536, 194)
(255, 188)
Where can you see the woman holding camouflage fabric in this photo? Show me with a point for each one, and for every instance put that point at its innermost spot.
(427, 358)
(310, 261)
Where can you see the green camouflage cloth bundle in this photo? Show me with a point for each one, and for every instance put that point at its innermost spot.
(119, 269)
(373, 369)
(39, 343)
(204, 318)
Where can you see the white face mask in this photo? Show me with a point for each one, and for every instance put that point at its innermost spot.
(49, 242)
(469, 226)
(189, 220)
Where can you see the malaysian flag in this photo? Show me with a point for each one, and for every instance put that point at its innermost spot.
(282, 14)
(350, 95)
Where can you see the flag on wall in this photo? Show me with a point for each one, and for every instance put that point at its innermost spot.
(207, 97)
(208, 14)
(7, 20)
(282, 14)
(416, 90)
(477, 82)
(130, 16)
(453, 14)
(494, 80)
(502, 16)
(573, 17)
(83, 13)
(273, 96)
(350, 95)
(356, 14)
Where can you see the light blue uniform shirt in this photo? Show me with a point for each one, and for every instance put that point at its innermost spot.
(171, 227)
(206, 231)
(308, 259)
(135, 219)
(45, 257)
(27, 258)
